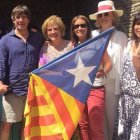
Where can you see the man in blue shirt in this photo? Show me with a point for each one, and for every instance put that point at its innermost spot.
(19, 51)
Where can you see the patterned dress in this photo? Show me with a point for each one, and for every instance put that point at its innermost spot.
(49, 52)
(127, 125)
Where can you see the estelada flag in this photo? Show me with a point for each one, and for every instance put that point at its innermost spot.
(59, 90)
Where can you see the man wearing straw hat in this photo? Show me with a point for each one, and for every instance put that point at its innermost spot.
(107, 17)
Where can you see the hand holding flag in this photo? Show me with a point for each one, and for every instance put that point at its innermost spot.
(59, 90)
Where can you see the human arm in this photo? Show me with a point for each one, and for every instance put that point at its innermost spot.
(107, 65)
(3, 56)
(43, 59)
(3, 88)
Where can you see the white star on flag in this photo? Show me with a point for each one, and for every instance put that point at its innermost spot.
(81, 73)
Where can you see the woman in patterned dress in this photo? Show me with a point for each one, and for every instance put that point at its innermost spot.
(128, 119)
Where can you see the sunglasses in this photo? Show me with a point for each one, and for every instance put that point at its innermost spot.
(79, 25)
(105, 14)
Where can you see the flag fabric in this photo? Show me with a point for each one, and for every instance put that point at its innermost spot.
(59, 90)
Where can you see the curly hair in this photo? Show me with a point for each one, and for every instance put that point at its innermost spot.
(54, 19)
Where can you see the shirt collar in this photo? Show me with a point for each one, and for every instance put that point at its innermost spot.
(12, 33)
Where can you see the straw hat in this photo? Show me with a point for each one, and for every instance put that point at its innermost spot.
(105, 6)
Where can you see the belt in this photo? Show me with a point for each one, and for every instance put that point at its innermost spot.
(98, 87)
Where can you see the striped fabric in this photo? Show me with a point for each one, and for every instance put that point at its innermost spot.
(59, 90)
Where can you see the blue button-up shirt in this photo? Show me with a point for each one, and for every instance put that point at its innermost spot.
(18, 58)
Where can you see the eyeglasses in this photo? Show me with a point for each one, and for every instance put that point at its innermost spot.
(105, 14)
(79, 25)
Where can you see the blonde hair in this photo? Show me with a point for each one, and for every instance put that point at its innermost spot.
(54, 19)
(115, 21)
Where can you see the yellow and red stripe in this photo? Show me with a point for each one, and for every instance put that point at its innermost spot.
(50, 112)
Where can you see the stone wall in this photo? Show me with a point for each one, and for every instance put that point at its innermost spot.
(130, 7)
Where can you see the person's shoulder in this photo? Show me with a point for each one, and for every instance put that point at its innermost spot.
(95, 32)
(129, 45)
(45, 46)
(120, 34)
(70, 45)
(46, 43)
(67, 42)
(120, 37)
(130, 42)
(6, 36)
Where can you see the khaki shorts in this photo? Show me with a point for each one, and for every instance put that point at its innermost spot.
(12, 108)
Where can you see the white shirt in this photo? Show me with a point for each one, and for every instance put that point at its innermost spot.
(115, 49)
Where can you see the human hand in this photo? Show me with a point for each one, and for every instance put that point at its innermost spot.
(3, 89)
(33, 30)
(100, 73)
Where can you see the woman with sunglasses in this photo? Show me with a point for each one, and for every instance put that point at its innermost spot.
(80, 30)
(128, 118)
(92, 119)
(107, 17)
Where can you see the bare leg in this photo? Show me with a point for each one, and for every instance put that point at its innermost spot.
(5, 130)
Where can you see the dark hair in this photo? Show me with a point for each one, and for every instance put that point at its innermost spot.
(20, 9)
(136, 18)
(74, 38)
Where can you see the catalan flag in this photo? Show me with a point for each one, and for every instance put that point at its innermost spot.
(59, 90)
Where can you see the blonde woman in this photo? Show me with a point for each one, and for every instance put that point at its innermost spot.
(53, 30)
